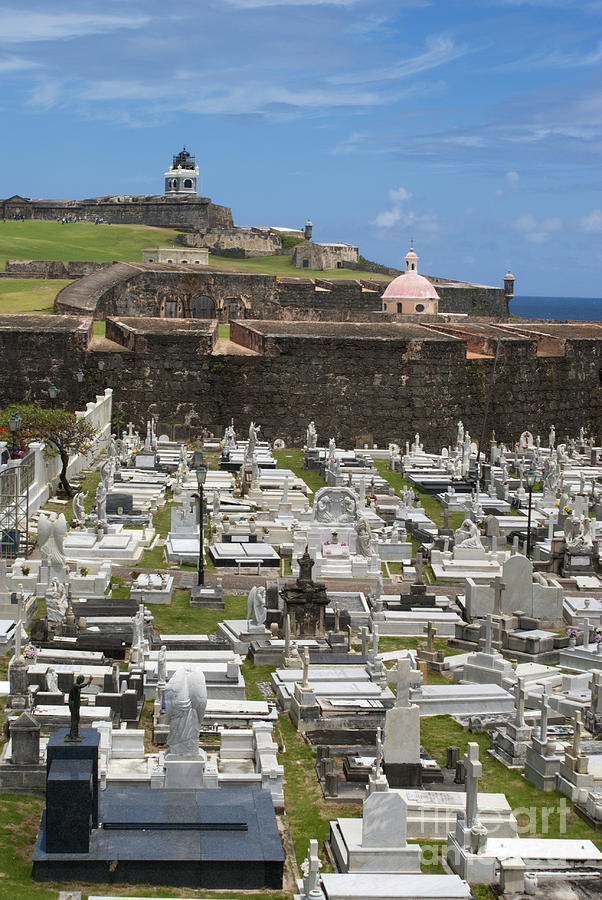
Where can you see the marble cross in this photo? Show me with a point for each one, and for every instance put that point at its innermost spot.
(311, 871)
(337, 616)
(545, 709)
(596, 701)
(586, 633)
(418, 568)
(577, 734)
(20, 615)
(498, 588)
(365, 636)
(379, 751)
(519, 694)
(287, 634)
(375, 638)
(406, 679)
(474, 770)
(430, 631)
(488, 633)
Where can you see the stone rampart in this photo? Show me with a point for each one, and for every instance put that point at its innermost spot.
(153, 209)
(384, 380)
(50, 268)
(237, 241)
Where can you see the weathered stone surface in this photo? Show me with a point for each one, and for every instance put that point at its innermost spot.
(386, 380)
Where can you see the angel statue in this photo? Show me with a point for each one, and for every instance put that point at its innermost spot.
(185, 704)
(79, 513)
(52, 529)
(256, 606)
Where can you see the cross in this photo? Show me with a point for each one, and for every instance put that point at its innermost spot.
(379, 751)
(586, 633)
(365, 636)
(287, 634)
(337, 616)
(430, 632)
(311, 871)
(406, 679)
(375, 638)
(498, 587)
(488, 633)
(519, 694)
(446, 518)
(418, 568)
(474, 770)
(577, 734)
(20, 612)
(543, 729)
(596, 701)
(130, 429)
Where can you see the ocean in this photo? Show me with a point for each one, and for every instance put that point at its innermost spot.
(585, 309)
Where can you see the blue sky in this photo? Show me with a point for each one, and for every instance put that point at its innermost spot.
(473, 127)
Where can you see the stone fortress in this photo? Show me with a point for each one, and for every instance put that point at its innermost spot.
(362, 359)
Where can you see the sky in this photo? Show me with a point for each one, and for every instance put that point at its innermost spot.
(471, 127)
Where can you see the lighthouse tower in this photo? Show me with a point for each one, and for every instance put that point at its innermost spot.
(181, 176)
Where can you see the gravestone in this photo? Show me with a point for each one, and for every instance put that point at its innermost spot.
(117, 501)
(25, 740)
(402, 732)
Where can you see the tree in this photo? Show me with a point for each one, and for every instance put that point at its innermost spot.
(62, 433)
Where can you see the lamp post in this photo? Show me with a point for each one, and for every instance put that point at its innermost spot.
(530, 476)
(101, 365)
(14, 424)
(53, 393)
(201, 475)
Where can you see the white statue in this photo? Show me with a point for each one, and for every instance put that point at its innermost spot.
(56, 602)
(185, 699)
(51, 534)
(468, 535)
(215, 505)
(253, 435)
(52, 680)
(79, 513)
(101, 502)
(311, 438)
(362, 530)
(256, 606)
(552, 437)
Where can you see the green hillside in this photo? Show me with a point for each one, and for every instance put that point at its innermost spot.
(29, 295)
(283, 266)
(78, 241)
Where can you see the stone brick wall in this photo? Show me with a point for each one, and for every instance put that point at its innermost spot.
(238, 242)
(156, 209)
(50, 268)
(387, 381)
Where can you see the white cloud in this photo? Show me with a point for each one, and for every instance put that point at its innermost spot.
(16, 64)
(397, 212)
(24, 26)
(537, 232)
(440, 49)
(592, 223)
(512, 178)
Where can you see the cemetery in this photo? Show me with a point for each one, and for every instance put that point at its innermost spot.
(320, 671)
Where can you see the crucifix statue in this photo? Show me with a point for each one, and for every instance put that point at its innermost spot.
(406, 678)
(474, 770)
(310, 867)
(305, 659)
(430, 631)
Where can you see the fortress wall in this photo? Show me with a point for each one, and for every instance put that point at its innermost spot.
(161, 211)
(50, 268)
(387, 384)
(474, 299)
(237, 240)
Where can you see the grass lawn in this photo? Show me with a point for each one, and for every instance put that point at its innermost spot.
(182, 618)
(283, 266)
(29, 295)
(538, 813)
(293, 460)
(78, 241)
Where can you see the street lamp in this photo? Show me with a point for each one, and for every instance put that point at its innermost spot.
(53, 393)
(101, 365)
(79, 375)
(201, 475)
(14, 424)
(530, 477)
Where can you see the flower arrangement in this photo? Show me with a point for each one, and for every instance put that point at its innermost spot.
(571, 632)
(265, 529)
(83, 571)
(30, 652)
(26, 570)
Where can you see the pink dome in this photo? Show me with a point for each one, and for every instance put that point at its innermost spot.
(410, 286)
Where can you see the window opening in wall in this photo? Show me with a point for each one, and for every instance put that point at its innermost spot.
(399, 307)
(419, 307)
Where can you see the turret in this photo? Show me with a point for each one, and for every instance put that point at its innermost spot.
(181, 176)
(308, 230)
(509, 285)
(411, 261)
